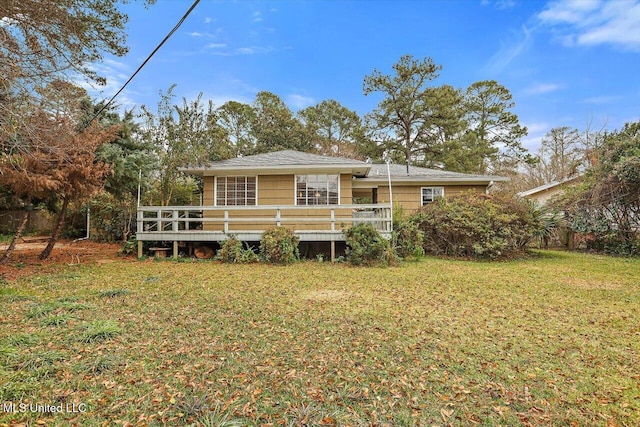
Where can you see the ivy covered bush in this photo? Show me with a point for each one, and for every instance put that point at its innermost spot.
(279, 245)
(477, 226)
(366, 246)
(233, 252)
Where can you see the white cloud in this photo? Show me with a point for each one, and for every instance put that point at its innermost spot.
(116, 73)
(115, 64)
(536, 131)
(299, 101)
(216, 45)
(568, 11)
(499, 4)
(593, 22)
(253, 50)
(541, 88)
(537, 127)
(257, 17)
(208, 20)
(606, 99)
(195, 34)
(505, 4)
(510, 51)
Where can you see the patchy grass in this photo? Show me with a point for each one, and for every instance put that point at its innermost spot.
(100, 330)
(549, 340)
(113, 293)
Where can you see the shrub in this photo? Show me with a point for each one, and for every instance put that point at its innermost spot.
(130, 247)
(232, 252)
(605, 207)
(407, 239)
(366, 246)
(477, 226)
(279, 246)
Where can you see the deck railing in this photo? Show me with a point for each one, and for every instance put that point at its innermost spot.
(229, 219)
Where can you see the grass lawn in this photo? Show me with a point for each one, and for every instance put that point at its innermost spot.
(551, 340)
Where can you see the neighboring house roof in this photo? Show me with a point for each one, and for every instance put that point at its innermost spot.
(548, 187)
(290, 161)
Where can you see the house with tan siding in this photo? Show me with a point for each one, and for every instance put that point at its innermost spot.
(315, 196)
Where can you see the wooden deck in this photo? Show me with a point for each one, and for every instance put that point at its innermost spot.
(215, 223)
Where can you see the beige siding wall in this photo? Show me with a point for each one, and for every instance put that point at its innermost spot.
(410, 196)
(276, 190)
(207, 190)
(345, 189)
(279, 190)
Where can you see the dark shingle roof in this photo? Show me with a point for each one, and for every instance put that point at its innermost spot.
(282, 158)
(399, 173)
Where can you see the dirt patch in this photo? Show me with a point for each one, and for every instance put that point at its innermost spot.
(24, 260)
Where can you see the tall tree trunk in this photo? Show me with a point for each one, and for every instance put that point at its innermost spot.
(16, 237)
(56, 232)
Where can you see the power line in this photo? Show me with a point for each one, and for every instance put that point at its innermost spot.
(175, 28)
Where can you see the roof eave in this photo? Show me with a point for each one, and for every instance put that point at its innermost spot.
(405, 179)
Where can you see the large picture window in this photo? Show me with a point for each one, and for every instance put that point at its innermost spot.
(317, 190)
(236, 191)
(429, 194)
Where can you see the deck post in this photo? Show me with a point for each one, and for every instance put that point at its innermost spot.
(175, 249)
(140, 227)
(333, 251)
(174, 223)
(159, 222)
(139, 249)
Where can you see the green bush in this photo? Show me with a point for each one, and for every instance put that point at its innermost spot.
(233, 252)
(407, 239)
(279, 245)
(366, 246)
(130, 247)
(477, 226)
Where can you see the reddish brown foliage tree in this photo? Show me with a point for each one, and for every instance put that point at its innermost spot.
(61, 164)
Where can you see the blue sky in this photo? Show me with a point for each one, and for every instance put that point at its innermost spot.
(567, 63)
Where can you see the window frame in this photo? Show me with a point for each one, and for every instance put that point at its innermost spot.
(226, 190)
(327, 189)
(433, 195)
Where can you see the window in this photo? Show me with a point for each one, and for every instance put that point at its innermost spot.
(429, 194)
(236, 191)
(317, 189)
